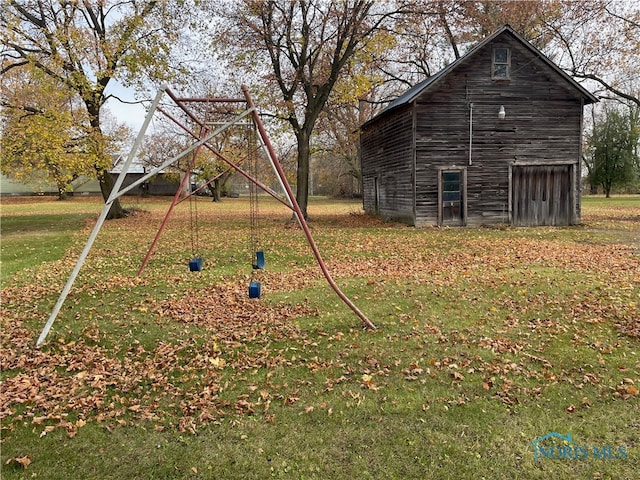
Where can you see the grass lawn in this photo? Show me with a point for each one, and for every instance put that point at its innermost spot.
(27, 239)
(488, 339)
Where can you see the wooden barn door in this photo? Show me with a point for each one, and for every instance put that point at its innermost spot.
(452, 209)
(541, 195)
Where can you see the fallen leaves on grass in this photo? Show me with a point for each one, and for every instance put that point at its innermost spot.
(630, 327)
(77, 377)
(198, 375)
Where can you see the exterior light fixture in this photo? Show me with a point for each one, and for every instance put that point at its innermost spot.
(501, 113)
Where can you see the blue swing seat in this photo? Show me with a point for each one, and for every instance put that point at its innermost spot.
(254, 290)
(259, 265)
(195, 264)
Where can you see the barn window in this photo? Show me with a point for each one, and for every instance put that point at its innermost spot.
(451, 187)
(501, 64)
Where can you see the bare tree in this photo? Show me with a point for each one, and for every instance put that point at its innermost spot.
(599, 41)
(307, 45)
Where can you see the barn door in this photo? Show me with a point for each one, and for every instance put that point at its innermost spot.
(451, 197)
(541, 195)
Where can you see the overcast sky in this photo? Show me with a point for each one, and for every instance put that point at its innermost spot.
(131, 114)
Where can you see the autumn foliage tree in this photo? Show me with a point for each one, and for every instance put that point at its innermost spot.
(43, 140)
(84, 45)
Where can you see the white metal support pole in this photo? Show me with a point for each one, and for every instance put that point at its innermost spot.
(103, 215)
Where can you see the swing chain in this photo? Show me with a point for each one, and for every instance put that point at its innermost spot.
(193, 213)
(253, 199)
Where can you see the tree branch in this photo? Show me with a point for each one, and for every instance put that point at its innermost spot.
(611, 88)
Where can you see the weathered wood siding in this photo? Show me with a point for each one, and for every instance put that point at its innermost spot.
(407, 150)
(542, 125)
(387, 174)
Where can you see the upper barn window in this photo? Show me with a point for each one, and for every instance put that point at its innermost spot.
(501, 64)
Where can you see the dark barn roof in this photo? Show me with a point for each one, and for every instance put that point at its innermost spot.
(412, 93)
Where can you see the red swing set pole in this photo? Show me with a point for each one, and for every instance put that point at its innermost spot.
(298, 212)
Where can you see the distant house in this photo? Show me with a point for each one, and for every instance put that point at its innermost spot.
(495, 137)
(82, 185)
(161, 184)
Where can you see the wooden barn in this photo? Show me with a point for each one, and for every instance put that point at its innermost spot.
(495, 137)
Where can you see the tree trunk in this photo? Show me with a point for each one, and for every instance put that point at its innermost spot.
(104, 177)
(304, 155)
(63, 191)
(106, 185)
(216, 189)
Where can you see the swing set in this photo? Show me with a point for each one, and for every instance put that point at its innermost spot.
(203, 133)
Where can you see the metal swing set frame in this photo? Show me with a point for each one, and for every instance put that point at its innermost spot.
(203, 139)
